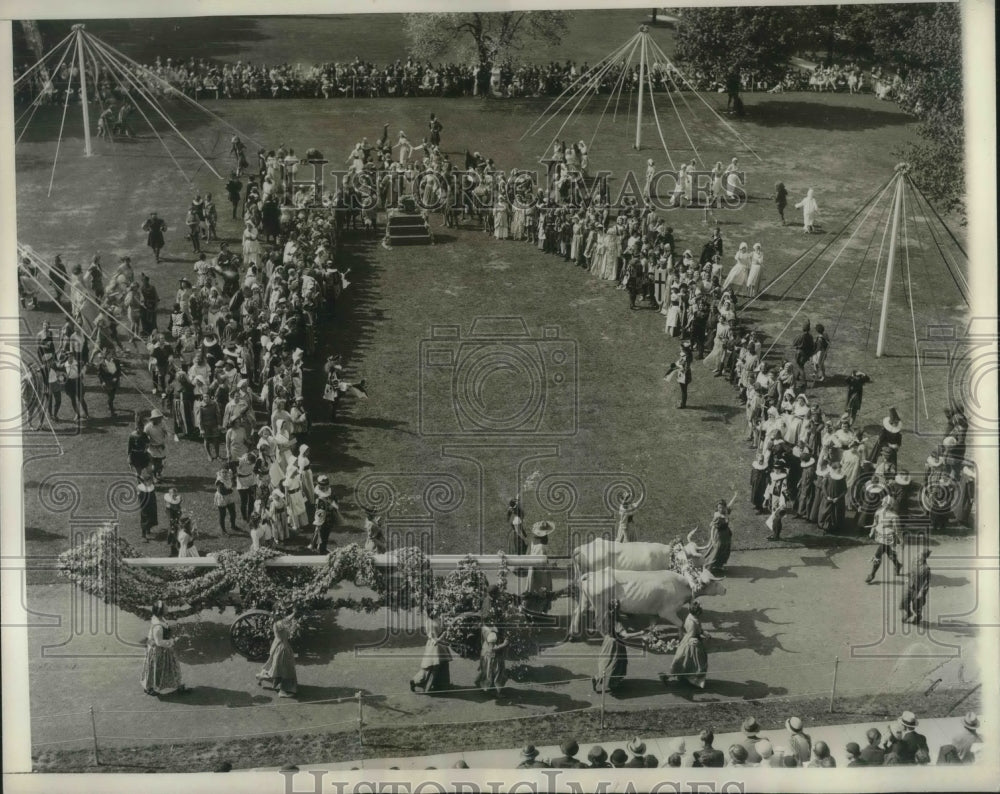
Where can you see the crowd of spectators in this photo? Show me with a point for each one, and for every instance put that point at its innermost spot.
(204, 79)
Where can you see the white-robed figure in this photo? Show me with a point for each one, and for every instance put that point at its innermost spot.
(722, 333)
(678, 193)
(612, 251)
(756, 270)
(161, 672)
(294, 497)
(731, 179)
(405, 148)
(809, 209)
(740, 270)
(251, 244)
(650, 173)
(673, 313)
(501, 220)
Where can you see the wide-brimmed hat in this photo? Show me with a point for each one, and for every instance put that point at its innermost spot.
(529, 752)
(971, 721)
(637, 746)
(750, 725)
(794, 724)
(568, 747)
(597, 754)
(908, 719)
(543, 529)
(902, 478)
(156, 414)
(322, 480)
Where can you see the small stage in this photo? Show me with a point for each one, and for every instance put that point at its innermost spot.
(407, 226)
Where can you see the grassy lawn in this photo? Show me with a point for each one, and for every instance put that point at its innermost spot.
(622, 415)
(615, 419)
(585, 728)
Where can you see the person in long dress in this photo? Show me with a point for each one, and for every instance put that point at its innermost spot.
(612, 252)
(501, 220)
(690, 659)
(539, 581)
(576, 243)
(612, 661)
(294, 499)
(756, 270)
(278, 672)
(186, 539)
(720, 540)
(492, 660)
(595, 250)
(740, 270)
(731, 179)
(809, 209)
(723, 332)
(831, 514)
(435, 667)
(161, 672)
(251, 244)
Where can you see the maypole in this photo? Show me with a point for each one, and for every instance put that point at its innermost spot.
(901, 169)
(83, 90)
(642, 76)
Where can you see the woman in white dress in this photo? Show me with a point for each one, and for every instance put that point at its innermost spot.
(540, 579)
(756, 268)
(576, 243)
(673, 313)
(740, 270)
(612, 252)
(251, 245)
(678, 194)
(501, 220)
(597, 250)
(518, 218)
(186, 539)
(809, 209)
(294, 497)
(722, 333)
(731, 179)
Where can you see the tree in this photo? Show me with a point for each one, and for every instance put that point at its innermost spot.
(722, 41)
(487, 38)
(931, 60)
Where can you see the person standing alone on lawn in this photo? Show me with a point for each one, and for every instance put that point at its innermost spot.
(154, 227)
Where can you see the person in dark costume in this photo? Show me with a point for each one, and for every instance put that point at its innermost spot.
(807, 484)
(758, 482)
(154, 227)
(889, 437)
(831, 514)
(917, 585)
(855, 392)
(720, 540)
(612, 662)
(780, 200)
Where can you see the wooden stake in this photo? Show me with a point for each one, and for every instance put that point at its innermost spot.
(833, 685)
(93, 728)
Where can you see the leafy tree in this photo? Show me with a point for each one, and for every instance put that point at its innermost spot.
(931, 60)
(487, 38)
(721, 41)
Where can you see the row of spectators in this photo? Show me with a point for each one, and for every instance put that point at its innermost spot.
(206, 79)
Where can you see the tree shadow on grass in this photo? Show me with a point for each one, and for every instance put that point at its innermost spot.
(822, 116)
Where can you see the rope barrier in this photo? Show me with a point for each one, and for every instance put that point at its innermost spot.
(61, 741)
(65, 714)
(499, 719)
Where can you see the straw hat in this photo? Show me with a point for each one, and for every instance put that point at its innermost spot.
(637, 746)
(542, 529)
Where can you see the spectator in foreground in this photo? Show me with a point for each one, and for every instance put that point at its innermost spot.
(873, 754)
(619, 758)
(969, 736)
(751, 729)
(821, 750)
(529, 759)
(568, 758)
(638, 750)
(854, 755)
(798, 740)
(765, 751)
(708, 756)
(598, 757)
(738, 755)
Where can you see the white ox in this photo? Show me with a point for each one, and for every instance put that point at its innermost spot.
(656, 595)
(602, 553)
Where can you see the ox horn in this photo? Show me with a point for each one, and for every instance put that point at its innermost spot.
(691, 533)
(707, 575)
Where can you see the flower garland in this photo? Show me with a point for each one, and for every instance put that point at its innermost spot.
(462, 599)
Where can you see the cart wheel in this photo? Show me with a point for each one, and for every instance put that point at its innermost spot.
(250, 634)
